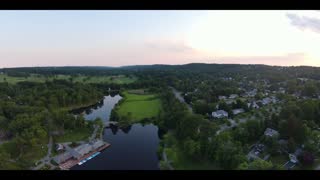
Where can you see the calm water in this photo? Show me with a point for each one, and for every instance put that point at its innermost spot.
(133, 148)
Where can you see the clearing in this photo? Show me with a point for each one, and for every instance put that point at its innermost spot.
(140, 106)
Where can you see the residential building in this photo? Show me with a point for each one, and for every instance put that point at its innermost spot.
(220, 114)
(237, 111)
(233, 96)
(271, 132)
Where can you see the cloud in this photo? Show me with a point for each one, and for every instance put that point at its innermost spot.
(169, 46)
(305, 22)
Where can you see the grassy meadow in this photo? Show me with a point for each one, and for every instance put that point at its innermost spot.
(120, 79)
(140, 106)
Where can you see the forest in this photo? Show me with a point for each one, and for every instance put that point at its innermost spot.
(31, 111)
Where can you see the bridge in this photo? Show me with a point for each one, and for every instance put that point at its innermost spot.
(108, 123)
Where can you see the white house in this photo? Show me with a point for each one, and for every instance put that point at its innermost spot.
(266, 101)
(271, 132)
(220, 114)
(233, 96)
(59, 147)
(237, 111)
(222, 97)
(230, 101)
(252, 93)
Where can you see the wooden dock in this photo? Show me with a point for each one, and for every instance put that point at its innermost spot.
(72, 162)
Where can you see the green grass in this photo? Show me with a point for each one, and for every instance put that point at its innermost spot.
(14, 80)
(121, 79)
(75, 135)
(35, 153)
(279, 159)
(27, 158)
(140, 106)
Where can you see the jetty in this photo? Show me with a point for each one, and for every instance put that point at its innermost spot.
(80, 154)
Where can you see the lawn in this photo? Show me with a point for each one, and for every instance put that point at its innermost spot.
(140, 106)
(279, 159)
(77, 135)
(28, 158)
(14, 80)
(120, 79)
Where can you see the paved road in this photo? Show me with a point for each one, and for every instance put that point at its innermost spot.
(180, 98)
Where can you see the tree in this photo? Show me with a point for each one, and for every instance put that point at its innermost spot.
(272, 145)
(257, 164)
(291, 145)
(201, 108)
(188, 126)
(5, 164)
(229, 153)
(307, 158)
(191, 148)
(309, 89)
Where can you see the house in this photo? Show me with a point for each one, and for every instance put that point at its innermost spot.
(274, 99)
(233, 96)
(293, 158)
(222, 97)
(271, 133)
(220, 114)
(237, 111)
(289, 165)
(83, 149)
(62, 157)
(256, 152)
(253, 105)
(97, 144)
(282, 90)
(59, 147)
(266, 101)
(230, 101)
(252, 93)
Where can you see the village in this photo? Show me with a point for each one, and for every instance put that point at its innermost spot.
(254, 102)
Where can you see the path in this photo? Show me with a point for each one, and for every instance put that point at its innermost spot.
(47, 158)
(94, 134)
(164, 155)
(180, 98)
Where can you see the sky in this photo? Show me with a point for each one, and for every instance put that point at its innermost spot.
(120, 38)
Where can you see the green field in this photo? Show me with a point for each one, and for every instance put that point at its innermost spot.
(121, 79)
(28, 158)
(140, 106)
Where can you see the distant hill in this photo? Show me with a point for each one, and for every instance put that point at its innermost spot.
(211, 69)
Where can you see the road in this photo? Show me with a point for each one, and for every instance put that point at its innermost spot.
(180, 98)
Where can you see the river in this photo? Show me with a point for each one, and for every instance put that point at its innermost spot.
(133, 148)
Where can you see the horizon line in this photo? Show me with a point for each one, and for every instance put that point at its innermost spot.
(155, 65)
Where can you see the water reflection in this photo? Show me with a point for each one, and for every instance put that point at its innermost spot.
(132, 148)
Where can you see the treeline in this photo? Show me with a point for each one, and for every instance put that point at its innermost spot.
(31, 112)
